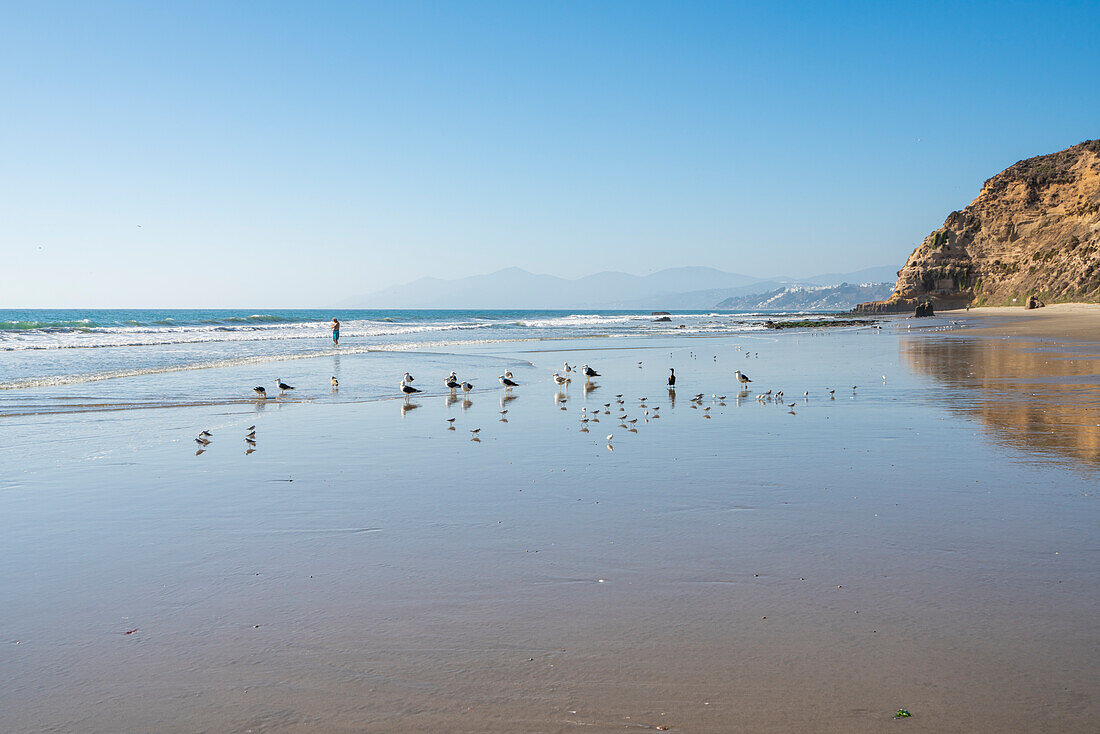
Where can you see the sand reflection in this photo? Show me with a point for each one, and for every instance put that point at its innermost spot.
(1029, 396)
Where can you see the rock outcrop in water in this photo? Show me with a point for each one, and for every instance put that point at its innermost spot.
(1034, 230)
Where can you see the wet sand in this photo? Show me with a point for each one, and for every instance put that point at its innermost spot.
(927, 542)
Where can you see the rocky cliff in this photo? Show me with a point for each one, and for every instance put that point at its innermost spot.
(1033, 230)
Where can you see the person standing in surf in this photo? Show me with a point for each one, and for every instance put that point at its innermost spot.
(335, 332)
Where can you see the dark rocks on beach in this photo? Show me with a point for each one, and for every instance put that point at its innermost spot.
(1033, 302)
(663, 318)
(924, 309)
(816, 323)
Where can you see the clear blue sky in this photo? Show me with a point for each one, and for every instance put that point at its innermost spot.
(297, 154)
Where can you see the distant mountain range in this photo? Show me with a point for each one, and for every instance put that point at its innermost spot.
(672, 289)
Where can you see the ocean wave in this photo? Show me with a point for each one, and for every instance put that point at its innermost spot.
(46, 325)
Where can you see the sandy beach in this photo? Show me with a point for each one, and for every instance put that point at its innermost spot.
(923, 541)
(1075, 322)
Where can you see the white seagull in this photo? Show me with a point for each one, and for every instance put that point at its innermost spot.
(282, 385)
(507, 382)
(743, 379)
(589, 372)
(407, 378)
(466, 387)
(408, 389)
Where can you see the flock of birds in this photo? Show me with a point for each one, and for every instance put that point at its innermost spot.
(562, 379)
(205, 438)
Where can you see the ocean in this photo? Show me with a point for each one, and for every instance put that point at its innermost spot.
(44, 348)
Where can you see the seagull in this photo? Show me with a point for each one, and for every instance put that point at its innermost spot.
(451, 382)
(568, 368)
(407, 378)
(335, 382)
(589, 372)
(282, 385)
(559, 379)
(743, 379)
(508, 382)
(466, 387)
(408, 389)
(508, 374)
(201, 441)
(206, 433)
(260, 391)
(475, 431)
(671, 377)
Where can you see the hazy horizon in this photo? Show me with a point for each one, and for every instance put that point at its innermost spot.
(232, 155)
(747, 284)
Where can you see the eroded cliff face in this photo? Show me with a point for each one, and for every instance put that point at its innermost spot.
(1033, 230)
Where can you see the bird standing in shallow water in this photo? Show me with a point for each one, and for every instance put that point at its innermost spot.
(467, 387)
(260, 391)
(671, 377)
(588, 371)
(282, 385)
(508, 382)
(335, 382)
(743, 379)
(408, 389)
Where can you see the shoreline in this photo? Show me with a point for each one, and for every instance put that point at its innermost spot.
(1079, 322)
(367, 567)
